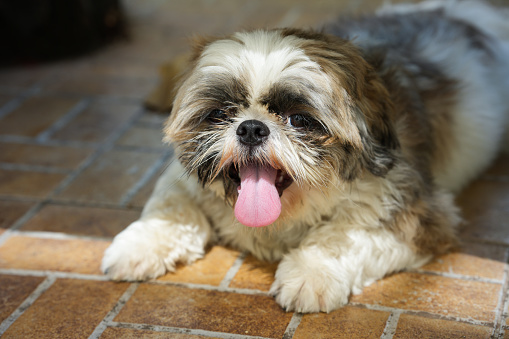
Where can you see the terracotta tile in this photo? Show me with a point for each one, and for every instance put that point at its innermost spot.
(141, 197)
(13, 291)
(485, 206)
(150, 49)
(4, 98)
(186, 17)
(90, 221)
(488, 251)
(110, 177)
(210, 270)
(410, 326)
(10, 211)
(460, 263)
(21, 77)
(107, 65)
(434, 294)
(68, 309)
(254, 274)
(77, 256)
(127, 333)
(87, 83)
(28, 184)
(41, 112)
(154, 119)
(39, 155)
(176, 306)
(347, 322)
(97, 122)
(141, 136)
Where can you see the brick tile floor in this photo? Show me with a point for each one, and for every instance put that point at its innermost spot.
(79, 157)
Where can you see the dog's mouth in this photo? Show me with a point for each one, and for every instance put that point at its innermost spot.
(259, 190)
(283, 179)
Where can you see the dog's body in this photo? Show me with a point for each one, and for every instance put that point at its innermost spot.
(363, 141)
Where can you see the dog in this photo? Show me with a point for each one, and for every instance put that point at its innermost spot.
(336, 152)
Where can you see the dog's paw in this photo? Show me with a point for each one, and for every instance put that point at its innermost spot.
(305, 285)
(146, 250)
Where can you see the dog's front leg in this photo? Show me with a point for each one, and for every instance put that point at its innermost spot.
(171, 229)
(333, 262)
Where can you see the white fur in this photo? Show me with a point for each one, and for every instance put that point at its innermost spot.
(330, 243)
(171, 229)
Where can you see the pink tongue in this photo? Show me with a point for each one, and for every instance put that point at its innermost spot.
(258, 203)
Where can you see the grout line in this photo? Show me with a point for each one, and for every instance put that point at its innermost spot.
(33, 168)
(423, 314)
(153, 170)
(18, 139)
(232, 271)
(210, 287)
(115, 98)
(100, 277)
(93, 204)
(71, 202)
(292, 325)
(5, 236)
(484, 241)
(391, 325)
(12, 105)
(498, 328)
(106, 146)
(145, 149)
(18, 223)
(59, 143)
(168, 329)
(460, 276)
(146, 124)
(64, 120)
(57, 235)
(499, 331)
(18, 100)
(43, 286)
(114, 311)
(53, 274)
(505, 315)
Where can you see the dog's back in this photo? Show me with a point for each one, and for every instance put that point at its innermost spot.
(455, 55)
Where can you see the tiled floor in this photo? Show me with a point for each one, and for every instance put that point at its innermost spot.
(79, 156)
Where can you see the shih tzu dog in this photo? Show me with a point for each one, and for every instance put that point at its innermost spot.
(336, 153)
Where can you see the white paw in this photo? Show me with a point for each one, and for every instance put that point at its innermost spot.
(308, 285)
(148, 249)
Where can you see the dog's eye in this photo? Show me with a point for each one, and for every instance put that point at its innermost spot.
(217, 116)
(298, 121)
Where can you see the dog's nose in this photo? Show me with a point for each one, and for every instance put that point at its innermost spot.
(252, 132)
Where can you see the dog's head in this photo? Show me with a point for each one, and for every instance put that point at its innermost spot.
(269, 112)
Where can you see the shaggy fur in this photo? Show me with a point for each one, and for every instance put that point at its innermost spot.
(373, 124)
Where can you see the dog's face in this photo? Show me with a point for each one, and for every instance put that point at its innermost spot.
(269, 112)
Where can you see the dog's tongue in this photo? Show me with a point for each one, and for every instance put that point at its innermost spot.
(258, 203)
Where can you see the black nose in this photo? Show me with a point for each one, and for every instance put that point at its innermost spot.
(252, 132)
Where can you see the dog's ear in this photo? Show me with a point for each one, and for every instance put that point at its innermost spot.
(368, 106)
(377, 130)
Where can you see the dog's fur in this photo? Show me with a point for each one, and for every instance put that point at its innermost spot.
(400, 111)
